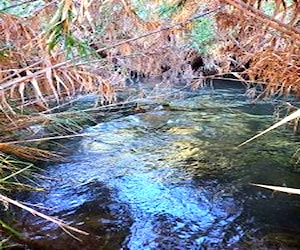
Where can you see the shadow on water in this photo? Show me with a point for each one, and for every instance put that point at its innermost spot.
(173, 178)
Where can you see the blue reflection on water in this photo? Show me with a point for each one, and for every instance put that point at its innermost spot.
(187, 208)
(151, 171)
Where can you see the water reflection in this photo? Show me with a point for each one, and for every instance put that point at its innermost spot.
(169, 179)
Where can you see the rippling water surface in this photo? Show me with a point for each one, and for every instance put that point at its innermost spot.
(173, 178)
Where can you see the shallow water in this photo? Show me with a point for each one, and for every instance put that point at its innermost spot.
(173, 178)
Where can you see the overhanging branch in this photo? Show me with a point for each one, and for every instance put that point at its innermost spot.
(275, 24)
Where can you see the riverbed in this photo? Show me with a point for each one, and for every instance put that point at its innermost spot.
(173, 178)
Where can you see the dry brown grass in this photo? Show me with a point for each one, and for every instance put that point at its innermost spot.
(32, 74)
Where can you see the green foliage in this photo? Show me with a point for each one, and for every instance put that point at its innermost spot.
(4, 4)
(58, 28)
(11, 230)
(269, 7)
(3, 53)
(166, 11)
(76, 47)
(141, 10)
(20, 9)
(60, 32)
(202, 34)
(163, 10)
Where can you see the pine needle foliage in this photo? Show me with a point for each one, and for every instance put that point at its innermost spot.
(265, 36)
(40, 64)
(33, 72)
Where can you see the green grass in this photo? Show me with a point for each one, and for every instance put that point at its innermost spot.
(19, 9)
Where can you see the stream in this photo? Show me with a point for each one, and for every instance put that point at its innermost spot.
(174, 178)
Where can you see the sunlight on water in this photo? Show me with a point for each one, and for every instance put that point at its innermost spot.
(170, 179)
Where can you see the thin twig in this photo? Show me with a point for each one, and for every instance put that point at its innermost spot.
(89, 110)
(60, 223)
(285, 120)
(278, 188)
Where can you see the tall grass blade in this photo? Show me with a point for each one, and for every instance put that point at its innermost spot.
(60, 223)
(29, 153)
(10, 229)
(285, 120)
(279, 189)
(16, 173)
